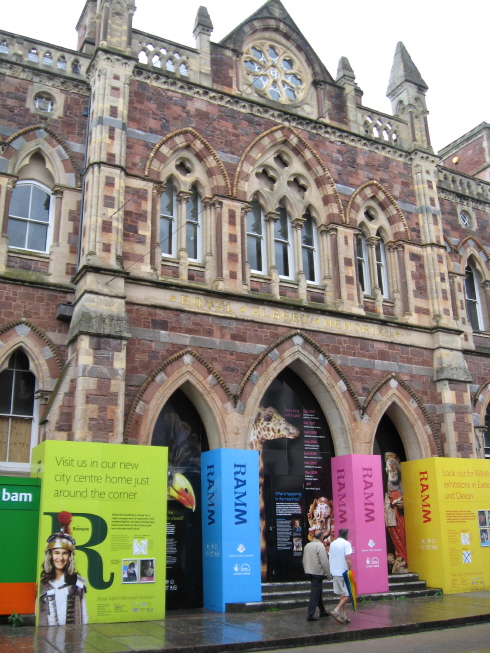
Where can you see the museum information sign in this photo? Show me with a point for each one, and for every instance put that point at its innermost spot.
(230, 527)
(101, 554)
(447, 511)
(358, 499)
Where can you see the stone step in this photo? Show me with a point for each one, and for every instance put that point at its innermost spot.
(283, 596)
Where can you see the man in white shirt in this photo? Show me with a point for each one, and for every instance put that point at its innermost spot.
(340, 552)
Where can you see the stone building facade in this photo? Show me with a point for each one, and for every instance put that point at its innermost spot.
(203, 219)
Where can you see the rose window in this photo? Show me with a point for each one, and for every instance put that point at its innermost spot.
(274, 73)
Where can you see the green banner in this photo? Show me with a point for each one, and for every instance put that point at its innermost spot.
(102, 534)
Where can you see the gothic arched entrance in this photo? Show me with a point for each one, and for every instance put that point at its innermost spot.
(293, 437)
(389, 446)
(180, 428)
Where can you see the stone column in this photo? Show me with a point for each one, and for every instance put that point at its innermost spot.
(182, 200)
(270, 220)
(334, 251)
(297, 225)
(371, 242)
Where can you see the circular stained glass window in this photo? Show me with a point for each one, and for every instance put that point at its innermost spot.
(274, 73)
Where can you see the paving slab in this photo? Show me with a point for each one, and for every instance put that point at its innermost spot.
(202, 631)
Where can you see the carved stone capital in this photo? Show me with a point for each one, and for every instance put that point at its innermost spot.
(298, 223)
(158, 189)
(272, 216)
(372, 241)
(183, 196)
(42, 395)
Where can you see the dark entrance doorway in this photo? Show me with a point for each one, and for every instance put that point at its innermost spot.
(389, 446)
(180, 428)
(296, 446)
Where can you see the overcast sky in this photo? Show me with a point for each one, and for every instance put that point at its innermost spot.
(448, 42)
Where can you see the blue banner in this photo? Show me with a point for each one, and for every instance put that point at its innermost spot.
(230, 527)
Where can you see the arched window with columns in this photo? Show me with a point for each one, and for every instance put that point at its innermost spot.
(193, 232)
(473, 297)
(256, 243)
(309, 249)
(168, 220)
(18, 423)
(283, 243)
(31, 207)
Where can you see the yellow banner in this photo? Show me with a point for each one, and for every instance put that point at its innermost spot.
(447, 522)
(102, 532)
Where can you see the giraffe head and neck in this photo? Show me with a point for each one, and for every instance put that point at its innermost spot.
(270, 425)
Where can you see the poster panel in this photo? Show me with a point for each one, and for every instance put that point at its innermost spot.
(446, 508)
(179, 427)
(230, 528)
(102, 514)
(295, 445)
(358, 497)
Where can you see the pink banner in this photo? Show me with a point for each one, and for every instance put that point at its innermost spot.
(357, 486)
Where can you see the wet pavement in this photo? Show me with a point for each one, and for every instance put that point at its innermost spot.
(201, 631)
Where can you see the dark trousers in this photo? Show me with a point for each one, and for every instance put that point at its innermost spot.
(315, 594)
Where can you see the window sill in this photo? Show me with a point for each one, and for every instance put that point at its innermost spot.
(26, 253)
(15, 468)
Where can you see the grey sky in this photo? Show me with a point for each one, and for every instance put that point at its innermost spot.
(447, 42)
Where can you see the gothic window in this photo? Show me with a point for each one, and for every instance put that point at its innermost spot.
(33, 55)
(256, 238)
(47, 59)
(168, 217)
(282, 243)
(309, 249)
(17, 385)
(275, 72)
(473, 307)
(381, 267)
(193, 225)
(29, 217)
(4, 47)
(363, 265)
(75, 67)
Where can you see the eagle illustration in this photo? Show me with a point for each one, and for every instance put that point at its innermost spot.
(184, 454)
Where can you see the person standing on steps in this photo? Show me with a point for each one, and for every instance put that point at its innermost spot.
(315, 564)
(340, 552)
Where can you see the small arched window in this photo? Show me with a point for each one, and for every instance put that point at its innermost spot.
(29, 217)
(381, 272)
(309, 248)
(168, 219)
(282, 243)
(473, 305)
(255, 238)
(193, 235)
(363, 264)
(17, 385)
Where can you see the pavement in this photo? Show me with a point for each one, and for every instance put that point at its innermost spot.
(202, 631)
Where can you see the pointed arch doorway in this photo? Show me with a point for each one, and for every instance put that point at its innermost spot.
(180, 428)
(388, 444)
(295, 445)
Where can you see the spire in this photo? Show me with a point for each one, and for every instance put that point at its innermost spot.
(203, 28)
(344, 69)
(203, 22)
(404, 70)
